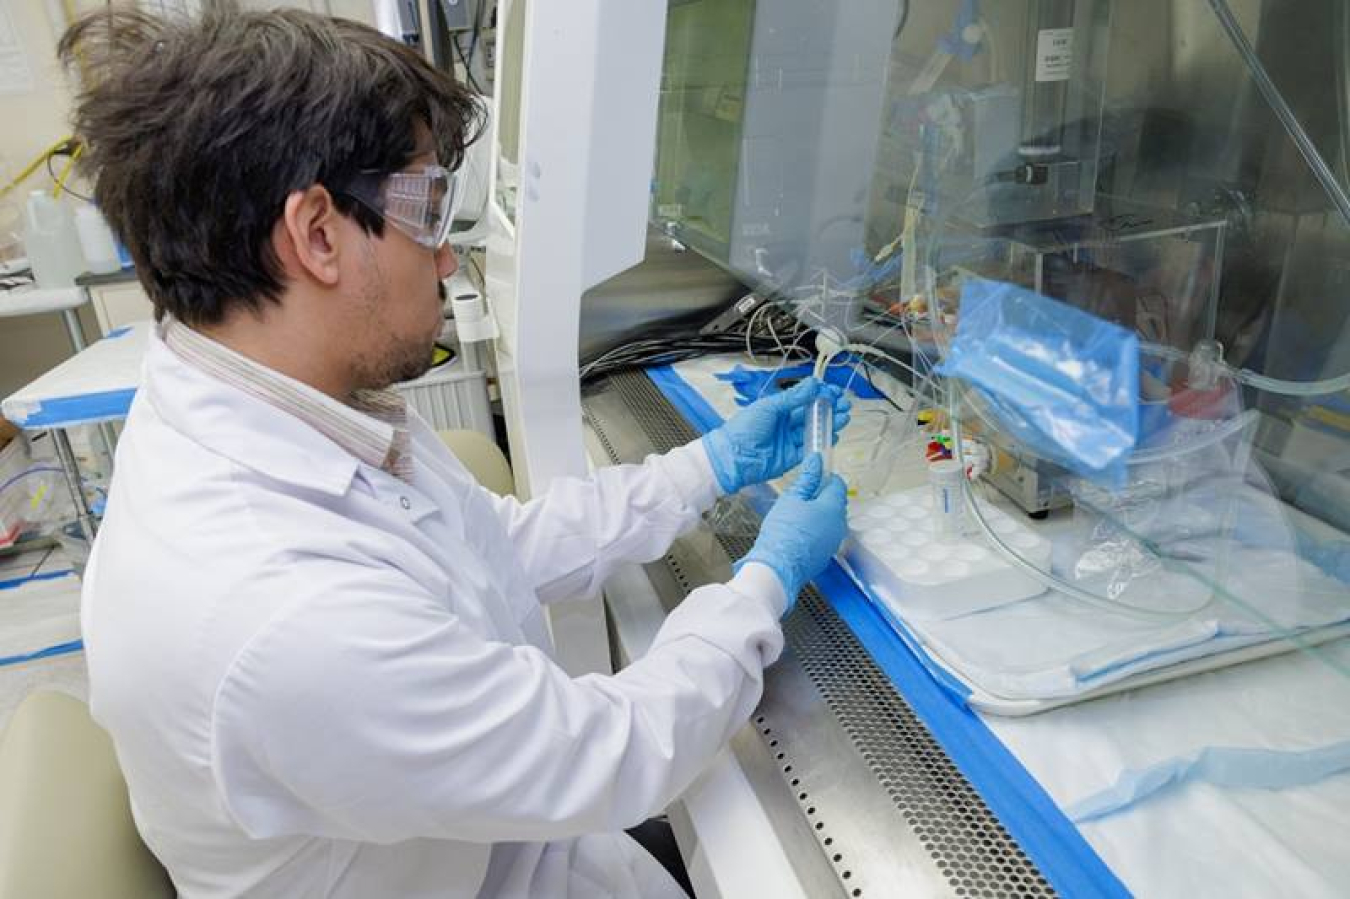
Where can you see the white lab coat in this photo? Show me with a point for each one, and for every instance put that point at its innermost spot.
(322, 681)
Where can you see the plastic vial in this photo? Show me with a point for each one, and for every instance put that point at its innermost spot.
(949, 498)
(820, 431)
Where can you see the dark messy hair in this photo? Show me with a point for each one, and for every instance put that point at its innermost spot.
(196, 130)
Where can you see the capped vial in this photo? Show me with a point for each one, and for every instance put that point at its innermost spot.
(949, 497)
(820, 431)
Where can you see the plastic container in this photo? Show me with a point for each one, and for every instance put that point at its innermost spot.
(820, 432)
(949, 500)
(51, 241)
(920, 575)
(96, 241)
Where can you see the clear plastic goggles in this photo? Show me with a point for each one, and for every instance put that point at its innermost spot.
(420, 204)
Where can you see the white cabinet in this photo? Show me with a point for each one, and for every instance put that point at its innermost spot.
(119, 304)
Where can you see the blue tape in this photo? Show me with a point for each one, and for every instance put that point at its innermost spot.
(84, 409)
(1043, 831)
(57, 650)
(686, 400)
(45, 576)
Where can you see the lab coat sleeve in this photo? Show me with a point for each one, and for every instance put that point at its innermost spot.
(369, 711)
(572, 537)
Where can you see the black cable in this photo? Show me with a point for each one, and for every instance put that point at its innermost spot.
(476, 31)
(904, 19)
(41, 562)
(668, 343)
(663, 347)
(21, 277)
(468, 70)
(64, 188)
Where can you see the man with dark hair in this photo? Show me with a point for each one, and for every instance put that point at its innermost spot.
(318, 646)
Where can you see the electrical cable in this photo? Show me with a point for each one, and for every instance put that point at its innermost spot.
(468, 70)
(43, 561)
(665, 344)
(65, 172)
(904, 20)
(477, 31)
(33, 166)
(61, 186)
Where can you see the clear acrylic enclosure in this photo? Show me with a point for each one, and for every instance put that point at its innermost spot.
(1105, 247)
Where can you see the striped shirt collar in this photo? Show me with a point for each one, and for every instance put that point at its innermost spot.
(372, 425)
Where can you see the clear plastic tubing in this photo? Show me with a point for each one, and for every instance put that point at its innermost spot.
(949, 498)
(820, 431)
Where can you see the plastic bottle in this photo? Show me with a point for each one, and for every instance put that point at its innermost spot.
(949, 498)
(51, 242)
(96, 241)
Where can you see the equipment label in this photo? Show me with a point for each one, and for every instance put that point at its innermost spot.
(1054, 54)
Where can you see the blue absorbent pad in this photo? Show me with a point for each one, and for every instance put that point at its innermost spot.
(1047, 836)
(1222, 766)
(1063, 382)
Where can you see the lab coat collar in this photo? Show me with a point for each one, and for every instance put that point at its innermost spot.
(241, 427)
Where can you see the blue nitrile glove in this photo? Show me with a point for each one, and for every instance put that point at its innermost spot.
(752, 384)
(800, 534)
(764, 439)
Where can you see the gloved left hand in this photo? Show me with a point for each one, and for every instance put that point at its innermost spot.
(803, 530)
(764, 440)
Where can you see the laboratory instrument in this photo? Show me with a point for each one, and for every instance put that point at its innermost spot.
(1174, 170)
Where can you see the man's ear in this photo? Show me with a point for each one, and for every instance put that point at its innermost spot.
(307, 236)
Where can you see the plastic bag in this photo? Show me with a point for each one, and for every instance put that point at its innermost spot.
(31, 492)
(1062, 382)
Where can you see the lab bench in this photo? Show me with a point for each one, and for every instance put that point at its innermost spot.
(855, 796)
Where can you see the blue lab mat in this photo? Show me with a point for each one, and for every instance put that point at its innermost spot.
(1049, 838)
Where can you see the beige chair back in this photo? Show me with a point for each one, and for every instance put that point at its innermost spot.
(66, 830)
(483, 458)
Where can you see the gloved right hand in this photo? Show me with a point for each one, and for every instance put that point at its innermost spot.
(800, 534)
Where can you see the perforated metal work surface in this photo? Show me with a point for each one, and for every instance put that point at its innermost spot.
(909, 790)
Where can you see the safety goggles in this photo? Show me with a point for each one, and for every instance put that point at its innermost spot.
(420, 204)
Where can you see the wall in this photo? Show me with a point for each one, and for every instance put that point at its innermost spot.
(35, 119)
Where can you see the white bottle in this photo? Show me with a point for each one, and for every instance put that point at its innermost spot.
(51, 242)
(96, 241)
(949, 498)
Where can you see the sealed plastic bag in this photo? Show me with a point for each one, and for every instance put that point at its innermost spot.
(1062, 382)
(31, 491)
(1166, 532)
